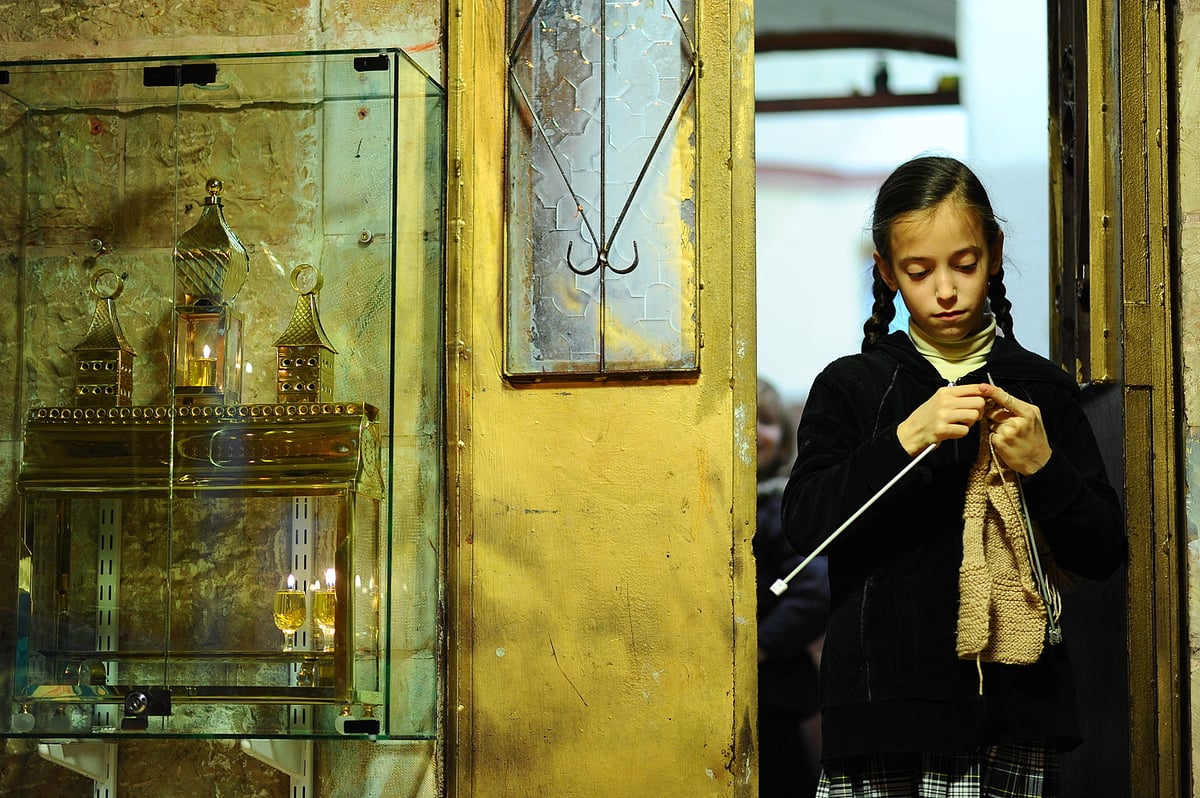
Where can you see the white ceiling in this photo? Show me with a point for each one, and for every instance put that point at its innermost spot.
(927, 18)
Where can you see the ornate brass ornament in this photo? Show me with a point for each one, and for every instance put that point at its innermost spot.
(304, 355)
(211, 265)
(104, 358)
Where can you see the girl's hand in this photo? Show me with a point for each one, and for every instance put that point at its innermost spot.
(949, 413)
(1017, 432)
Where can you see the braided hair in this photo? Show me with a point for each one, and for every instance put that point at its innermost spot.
(920, 185)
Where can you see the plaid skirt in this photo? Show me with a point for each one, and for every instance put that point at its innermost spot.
(999, 771)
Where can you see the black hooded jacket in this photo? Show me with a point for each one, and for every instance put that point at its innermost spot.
(891, 679)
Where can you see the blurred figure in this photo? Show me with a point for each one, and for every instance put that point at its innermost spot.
(790, 626)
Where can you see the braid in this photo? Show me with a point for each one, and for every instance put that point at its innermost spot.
(1000, 303)
(882, 312)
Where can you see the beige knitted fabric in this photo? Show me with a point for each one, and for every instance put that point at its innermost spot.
(1001, 615)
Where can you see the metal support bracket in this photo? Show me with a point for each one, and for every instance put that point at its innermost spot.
(108, 603)
(293, 757)
(97, 761)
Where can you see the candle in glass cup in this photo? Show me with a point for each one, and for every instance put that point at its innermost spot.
(325, 609)
(288, 612)
(202, 371)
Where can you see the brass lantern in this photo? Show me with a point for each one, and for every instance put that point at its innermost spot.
(211, 265)
(104, 359)
(304, 354)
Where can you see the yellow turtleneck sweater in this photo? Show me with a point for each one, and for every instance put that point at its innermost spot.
(953, 359)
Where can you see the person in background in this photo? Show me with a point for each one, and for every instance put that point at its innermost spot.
(789, 625)
(912, 704)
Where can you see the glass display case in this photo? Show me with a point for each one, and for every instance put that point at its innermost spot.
(222, 463)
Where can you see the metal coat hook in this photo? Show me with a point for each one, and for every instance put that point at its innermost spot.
(601, 260)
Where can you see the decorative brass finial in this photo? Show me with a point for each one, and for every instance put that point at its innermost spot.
(306, 279)
(211, 264)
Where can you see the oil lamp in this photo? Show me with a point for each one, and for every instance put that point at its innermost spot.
(211, 265)
(208, 355)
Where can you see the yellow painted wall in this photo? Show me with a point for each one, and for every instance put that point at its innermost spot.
(1187, 142)
(603, 607)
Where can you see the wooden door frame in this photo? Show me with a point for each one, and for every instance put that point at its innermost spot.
(1125, 322)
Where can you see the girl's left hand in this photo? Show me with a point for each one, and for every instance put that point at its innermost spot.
(1017, 432)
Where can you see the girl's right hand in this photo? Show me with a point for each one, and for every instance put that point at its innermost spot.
(949, 413)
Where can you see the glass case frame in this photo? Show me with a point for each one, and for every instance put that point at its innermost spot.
(152, 533)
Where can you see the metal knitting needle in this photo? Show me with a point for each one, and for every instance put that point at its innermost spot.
(782, 584)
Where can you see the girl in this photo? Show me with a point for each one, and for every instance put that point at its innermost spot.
(902, 713)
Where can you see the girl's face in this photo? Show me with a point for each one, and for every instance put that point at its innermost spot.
(940, 265)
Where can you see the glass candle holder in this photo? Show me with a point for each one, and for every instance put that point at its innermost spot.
(289, 613)
(325, 614)
(202, 371)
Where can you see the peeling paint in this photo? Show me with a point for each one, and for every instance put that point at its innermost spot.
(746, 453)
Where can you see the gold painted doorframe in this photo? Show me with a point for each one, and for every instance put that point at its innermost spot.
(600, 581)
(1150, 367)
(1127, 339)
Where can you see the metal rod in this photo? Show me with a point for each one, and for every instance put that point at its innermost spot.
(782, 584)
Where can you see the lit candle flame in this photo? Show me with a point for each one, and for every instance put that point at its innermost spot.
(316, 585)
(329, 576)
(207, 351)
(291, 582)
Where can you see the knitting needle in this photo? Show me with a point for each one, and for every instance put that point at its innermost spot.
(782, 584)
(1054, 630)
